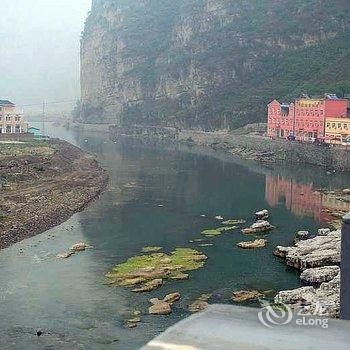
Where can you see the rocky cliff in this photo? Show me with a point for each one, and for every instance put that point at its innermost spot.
(209, 64)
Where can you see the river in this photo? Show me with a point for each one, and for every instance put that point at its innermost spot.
(156, 197)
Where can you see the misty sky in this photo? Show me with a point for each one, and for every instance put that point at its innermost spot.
(40, 50)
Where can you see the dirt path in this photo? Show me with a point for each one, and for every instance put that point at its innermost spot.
(39, 190)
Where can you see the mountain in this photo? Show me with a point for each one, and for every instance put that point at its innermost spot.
(209, 64)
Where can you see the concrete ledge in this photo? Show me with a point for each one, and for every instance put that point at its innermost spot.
(227, 327)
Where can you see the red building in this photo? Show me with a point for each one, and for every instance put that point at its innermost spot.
(304, 118)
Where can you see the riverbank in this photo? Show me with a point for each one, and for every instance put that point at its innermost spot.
(318, 258)
(247, 143)
(262, 149)
(42, 184)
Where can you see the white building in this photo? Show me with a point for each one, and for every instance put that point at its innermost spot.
(11, 119)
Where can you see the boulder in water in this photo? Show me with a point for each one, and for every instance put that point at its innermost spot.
(302, 236)
(79, 247)
(171, 298)
(180, 276)
(323, 301)
(246, 295)
(319, 275)
(160, 308)
(149, 286)
(259, 226)
(323, 231)
(262, 214)
(258, 243)
(65, 255)
(281, 251)
(198, 305)
(316, 252)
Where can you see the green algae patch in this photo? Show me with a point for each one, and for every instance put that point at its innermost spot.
(197, 240)
(233, 222)
(218, 231)
(211, 233)
(147, 268)
(151, 249)
(226, 228)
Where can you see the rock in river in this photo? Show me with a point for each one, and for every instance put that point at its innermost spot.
(147, 268)
(233, 222)
(211, 233)
(262, 214)
(132, 323)
(301, 236)
(161, 308)
(319, 275)
(246, 295)
(171, 298)
(316, 252)
(322, 301)
(65, 255)
(258, 243)
(317, 257)
(151, 249)
(323, 231)
(259, 226)
(200, 304)
(149, 286)
(79, 247)
(180, 277)
(281, 251)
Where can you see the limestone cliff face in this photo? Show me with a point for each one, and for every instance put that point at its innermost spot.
(208, 64)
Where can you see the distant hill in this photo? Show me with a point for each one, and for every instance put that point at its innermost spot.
(209, 64)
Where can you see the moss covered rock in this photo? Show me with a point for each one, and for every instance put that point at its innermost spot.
(226, 228)
(151, 249)
(233, 222)
(144, 269)
(211, 233)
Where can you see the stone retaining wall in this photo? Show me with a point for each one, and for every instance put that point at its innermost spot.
(246, 146)
(278, 150)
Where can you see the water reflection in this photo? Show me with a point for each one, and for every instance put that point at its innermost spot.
(302, 199)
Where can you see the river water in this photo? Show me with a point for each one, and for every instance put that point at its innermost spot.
(156, 197)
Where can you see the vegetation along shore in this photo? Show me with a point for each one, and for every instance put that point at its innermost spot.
(42, 184)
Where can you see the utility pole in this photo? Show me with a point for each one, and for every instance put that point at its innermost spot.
(345, 271)
(43, 120)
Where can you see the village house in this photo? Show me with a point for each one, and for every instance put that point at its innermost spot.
(308, 119)
(11, 119)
